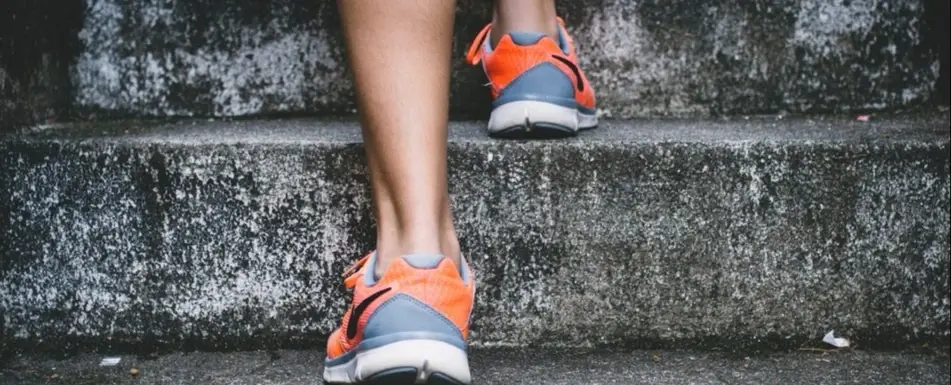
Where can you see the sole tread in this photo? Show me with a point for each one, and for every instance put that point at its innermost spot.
(404, 376)
(535, 131)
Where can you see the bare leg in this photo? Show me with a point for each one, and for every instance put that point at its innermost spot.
(523, 15)
(399, 52)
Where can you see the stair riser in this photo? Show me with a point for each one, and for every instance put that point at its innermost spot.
(725, 243)
(645, 58)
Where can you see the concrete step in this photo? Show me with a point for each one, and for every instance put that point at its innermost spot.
(645, 58)
(507, 367)
(767, 231)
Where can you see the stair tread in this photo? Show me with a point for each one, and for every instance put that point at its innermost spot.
(907, 127)
(677, 233)
(507, 367)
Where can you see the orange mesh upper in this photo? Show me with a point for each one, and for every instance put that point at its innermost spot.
(441, 288)
(508, 60)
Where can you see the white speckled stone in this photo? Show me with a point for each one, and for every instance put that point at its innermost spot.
(645, 58)
(674, 233)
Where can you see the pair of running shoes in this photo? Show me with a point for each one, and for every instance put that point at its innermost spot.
(411, 325)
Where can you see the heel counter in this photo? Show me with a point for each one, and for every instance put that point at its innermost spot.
(525, 38)
(404, 314)
(544, 82)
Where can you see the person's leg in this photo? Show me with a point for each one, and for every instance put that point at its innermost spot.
(412, 298)
(523, 15)
(537, 87)
(400, 55)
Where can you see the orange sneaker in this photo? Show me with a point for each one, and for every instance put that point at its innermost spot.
(538, 90)
(409, 326)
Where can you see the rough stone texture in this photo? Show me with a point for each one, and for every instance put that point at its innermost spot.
(509, 367)
(663, 233)
(646, 58)
(158, 57)
(38, 42)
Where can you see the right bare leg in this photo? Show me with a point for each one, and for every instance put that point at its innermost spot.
(412, 298)
(400, 53)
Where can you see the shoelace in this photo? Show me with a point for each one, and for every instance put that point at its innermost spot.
(353, 273)
(474, 54)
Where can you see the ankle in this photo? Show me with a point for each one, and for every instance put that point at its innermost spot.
(450, 246)
(499, 30)
(390, 248)
(524, 16)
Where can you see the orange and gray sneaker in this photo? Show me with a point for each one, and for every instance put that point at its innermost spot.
(408, 326)
(538, 90)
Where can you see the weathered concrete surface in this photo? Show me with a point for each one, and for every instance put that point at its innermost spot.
(646, 58)
(509, 367)
(653, 233)
(99, 58)
(38, 42)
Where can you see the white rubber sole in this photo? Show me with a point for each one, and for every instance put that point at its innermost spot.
(426, 356)
(531, 114)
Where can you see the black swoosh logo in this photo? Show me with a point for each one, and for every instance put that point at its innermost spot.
(358, 311)
(574, 69)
